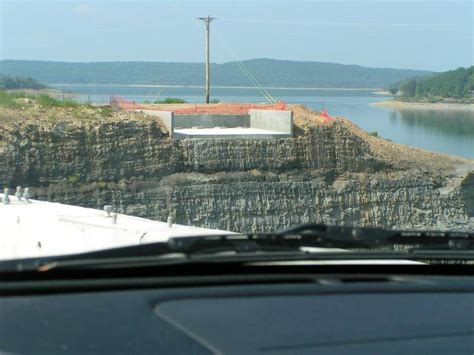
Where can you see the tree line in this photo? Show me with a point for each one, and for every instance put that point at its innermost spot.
(267, 72)
(454, 84)
(8, 82)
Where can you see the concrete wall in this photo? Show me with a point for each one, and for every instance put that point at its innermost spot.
(273, 120)
(280, 121)
(167, 117)
(179, 135)
(209, 121)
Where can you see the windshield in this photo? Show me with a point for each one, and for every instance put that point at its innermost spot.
(129, 123)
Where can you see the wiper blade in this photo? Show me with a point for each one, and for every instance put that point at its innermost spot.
(293, 241)
(369, 238)
(325, 236)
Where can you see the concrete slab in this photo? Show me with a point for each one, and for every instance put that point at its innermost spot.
(280, 121)
(44, 228)
(256, 124)
(235, 132)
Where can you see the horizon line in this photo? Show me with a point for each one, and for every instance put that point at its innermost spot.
(217, 63)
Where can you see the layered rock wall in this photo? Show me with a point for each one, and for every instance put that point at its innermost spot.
(328, 174)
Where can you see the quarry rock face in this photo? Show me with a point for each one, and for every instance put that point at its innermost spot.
(330, 173)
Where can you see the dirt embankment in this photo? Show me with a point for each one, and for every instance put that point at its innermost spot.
(399, 156)
(404, 157)
(396, 155)
(28, 112)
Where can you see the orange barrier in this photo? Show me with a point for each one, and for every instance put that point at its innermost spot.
(227, 108)
(326, 117)
(203, 109)
(190, 109)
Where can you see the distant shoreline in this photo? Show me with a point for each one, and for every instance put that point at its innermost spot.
(423, 106)
(375, 90)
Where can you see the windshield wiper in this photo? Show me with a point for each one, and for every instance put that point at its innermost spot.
(293, 243)
(369, 238)
(324, 236)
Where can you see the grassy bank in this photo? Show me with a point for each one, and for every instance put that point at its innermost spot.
(19, 98)
(18, 107)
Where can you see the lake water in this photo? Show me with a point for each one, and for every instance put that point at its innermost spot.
(445, 131)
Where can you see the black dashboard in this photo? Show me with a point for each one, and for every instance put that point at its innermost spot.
(330, 315)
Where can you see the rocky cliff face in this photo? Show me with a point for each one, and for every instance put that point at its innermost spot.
(331, 173)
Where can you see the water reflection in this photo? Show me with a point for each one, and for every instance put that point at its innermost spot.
(448, 122)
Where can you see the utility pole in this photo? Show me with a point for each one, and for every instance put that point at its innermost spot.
(207, 20)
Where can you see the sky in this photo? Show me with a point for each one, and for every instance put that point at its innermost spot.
(431, 35)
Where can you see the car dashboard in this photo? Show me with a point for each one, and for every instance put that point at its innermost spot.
(324, 314)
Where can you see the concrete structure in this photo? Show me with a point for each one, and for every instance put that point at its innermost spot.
(279, 121)
(256, 124)
(165, 116)
(211, 121)
(36, 228)
(236, 132)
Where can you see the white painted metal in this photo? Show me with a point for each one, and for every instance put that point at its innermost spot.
(45, 228)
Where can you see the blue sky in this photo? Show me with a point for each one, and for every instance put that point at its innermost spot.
(433, 35)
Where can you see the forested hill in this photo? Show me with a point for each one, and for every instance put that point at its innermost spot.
(268, 72)
(454, 84)
(8, 82)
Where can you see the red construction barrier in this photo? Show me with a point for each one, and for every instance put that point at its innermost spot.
(195, 109)
(227, 108)
(326, 116)
(209, 109)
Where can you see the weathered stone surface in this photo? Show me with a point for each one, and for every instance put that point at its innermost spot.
(39, 155)
(329, 174)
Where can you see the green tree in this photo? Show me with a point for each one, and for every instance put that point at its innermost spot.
(393, 89)
(8, 82)
(451, 84)
(409, 88)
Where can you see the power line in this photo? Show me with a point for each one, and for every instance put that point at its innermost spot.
(266, 94)
(422, 26)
